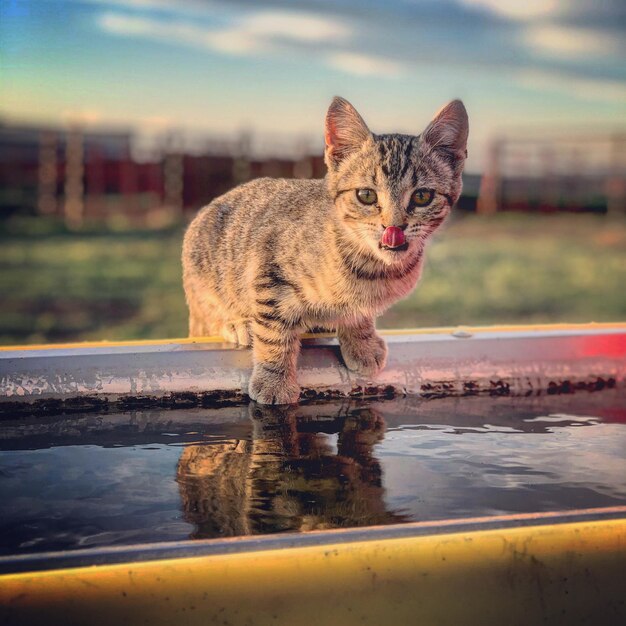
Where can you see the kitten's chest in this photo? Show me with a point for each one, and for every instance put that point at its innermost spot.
(361, 296)
(380, 294)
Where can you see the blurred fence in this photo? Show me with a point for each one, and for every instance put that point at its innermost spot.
(84, 175)
(555, 172)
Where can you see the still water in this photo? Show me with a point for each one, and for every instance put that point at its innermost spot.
(149, 476)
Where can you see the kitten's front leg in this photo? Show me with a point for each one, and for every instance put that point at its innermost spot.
(362, 349)
(275, 349)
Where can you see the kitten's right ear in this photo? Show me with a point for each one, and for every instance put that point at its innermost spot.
(345, 131)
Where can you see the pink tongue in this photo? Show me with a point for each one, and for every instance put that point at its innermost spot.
(392, 237)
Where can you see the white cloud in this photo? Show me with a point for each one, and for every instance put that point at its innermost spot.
(582, 88)
(365, 64)
(516, 9)
(263, 32)
(567, 42)
(229, 41)
(298, 27)
(185, 6)
(259, 32)
(126, 25)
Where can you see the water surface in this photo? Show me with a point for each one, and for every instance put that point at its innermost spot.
(152, 476)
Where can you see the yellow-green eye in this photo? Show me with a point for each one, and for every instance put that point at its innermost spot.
(423, 197)
(366, 196)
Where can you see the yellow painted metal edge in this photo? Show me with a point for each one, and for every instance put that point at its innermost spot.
(445, 330)
(564, 573)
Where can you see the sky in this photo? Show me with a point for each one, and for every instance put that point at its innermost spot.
(216, 68)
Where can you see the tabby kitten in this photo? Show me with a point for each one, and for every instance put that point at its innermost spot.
(274, 257)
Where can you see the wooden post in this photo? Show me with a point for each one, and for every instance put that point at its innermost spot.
(303, 165)
(74, 188)
(94, 182)
(241, 160)
(577, 189)
(550, 190)
(128, 186)
(47, 174)
(489, 196)
(616, 181)
(173, 181)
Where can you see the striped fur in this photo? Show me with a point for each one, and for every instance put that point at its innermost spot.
(274, 257)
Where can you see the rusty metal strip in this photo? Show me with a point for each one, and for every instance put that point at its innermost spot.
(523, 361)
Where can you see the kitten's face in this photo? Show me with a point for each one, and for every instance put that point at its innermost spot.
(380, 181)
(392, 181)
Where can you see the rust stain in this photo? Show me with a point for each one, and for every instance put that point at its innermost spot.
(224, 398)
(567, 386)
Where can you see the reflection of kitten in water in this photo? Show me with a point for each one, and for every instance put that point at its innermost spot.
(288, 478)
(212, 485)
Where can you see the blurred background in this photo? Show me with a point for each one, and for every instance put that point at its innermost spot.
(120, 118)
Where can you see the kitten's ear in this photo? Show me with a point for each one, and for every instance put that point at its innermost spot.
(345, 131)
(449, 129)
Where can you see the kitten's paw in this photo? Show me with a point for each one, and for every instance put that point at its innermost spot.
(365, 357)
(238, 332)
(269, 387)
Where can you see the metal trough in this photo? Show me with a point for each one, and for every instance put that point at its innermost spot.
(564, 567)
(544, 569)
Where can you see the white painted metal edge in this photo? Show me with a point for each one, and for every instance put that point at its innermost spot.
(500, 362)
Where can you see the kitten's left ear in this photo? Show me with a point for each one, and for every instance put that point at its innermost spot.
(449, 129)
(345, 131)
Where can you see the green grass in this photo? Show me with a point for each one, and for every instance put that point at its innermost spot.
(68, 287)
(520, 268)
(510, 268)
